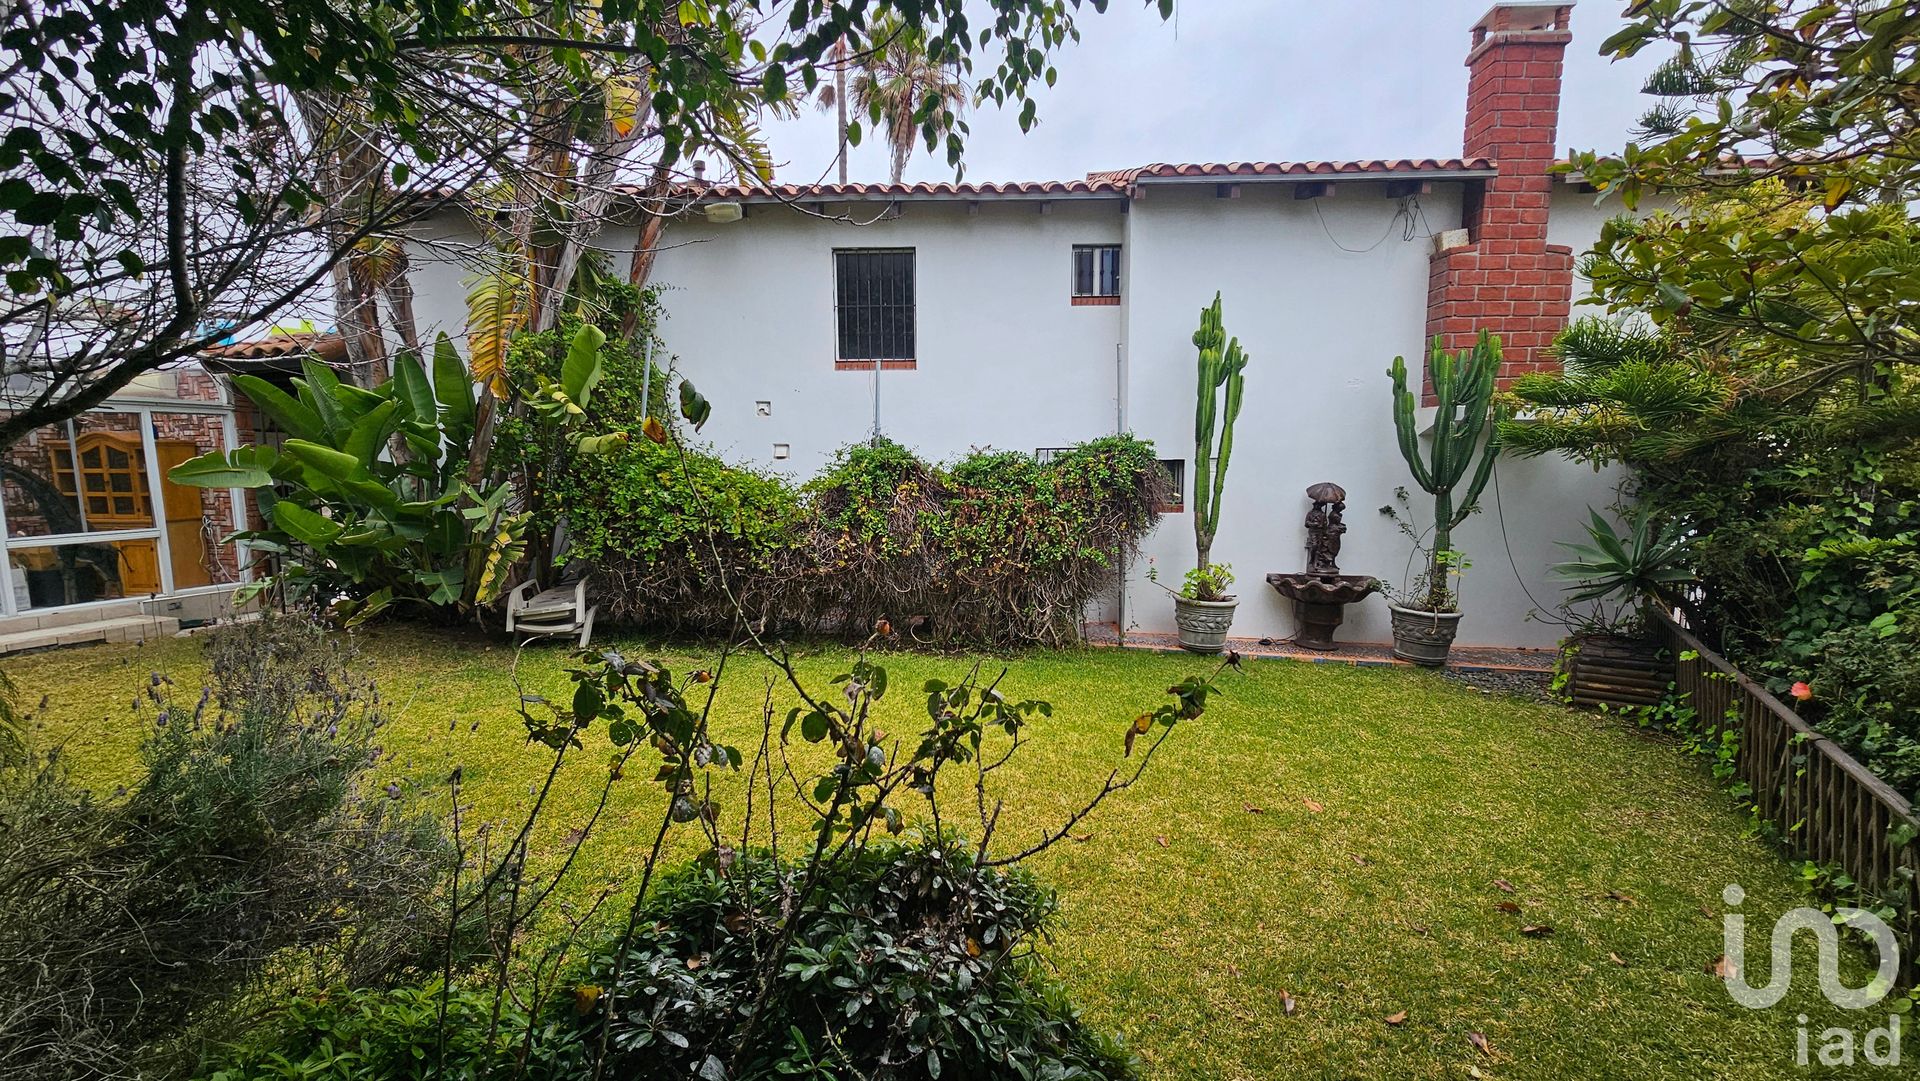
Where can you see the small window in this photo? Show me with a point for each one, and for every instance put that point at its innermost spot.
(873, 305)
(1096, 273)
(1043, 455)
(1176, 471)
(112, 476)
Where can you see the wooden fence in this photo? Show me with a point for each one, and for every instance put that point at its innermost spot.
(1828, 807)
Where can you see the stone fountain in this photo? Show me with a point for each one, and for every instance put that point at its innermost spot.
(1321, 592)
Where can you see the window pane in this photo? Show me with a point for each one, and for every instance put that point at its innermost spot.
(1096, 270)
(40, 485)
(197, 519)
(113, 466)
(874, 298)
(49, 576)
(1082, 272)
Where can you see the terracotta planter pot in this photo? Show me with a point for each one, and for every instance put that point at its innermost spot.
(1203, 624)
(1425, 638)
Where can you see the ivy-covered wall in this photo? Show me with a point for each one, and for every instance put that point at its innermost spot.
(997, 548)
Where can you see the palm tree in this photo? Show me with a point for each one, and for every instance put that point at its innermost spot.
(898, 79)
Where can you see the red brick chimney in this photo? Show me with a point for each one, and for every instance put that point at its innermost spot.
(1506, 278)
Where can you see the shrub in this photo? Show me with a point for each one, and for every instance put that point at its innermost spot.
(1795, 485)
(1867, 698)
(998, 548)
(639, 516)
(122, 921)
(909, 963)
(399, 1035)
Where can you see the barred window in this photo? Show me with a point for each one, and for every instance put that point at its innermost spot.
(1176, 471)
(1096, 270)
(873, 303)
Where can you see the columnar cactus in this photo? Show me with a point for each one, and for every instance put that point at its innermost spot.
(1463, 386)
(1221, 363)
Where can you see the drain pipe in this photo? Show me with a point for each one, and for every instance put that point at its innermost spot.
(1120, 555)
(646, 378)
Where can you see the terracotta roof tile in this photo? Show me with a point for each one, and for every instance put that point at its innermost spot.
(323, 345)
(946, 189)
(1109, 183)
(1362, 167)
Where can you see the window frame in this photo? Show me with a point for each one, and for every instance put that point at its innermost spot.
(1095, 275)
(911, 305)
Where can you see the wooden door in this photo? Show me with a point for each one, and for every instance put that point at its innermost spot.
(185, 518)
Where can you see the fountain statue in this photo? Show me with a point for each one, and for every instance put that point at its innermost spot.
(1321, 592)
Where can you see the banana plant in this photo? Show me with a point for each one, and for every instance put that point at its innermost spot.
(359, 527)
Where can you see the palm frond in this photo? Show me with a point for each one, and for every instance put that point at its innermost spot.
(496, 309)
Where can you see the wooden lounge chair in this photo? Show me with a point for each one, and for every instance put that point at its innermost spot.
(560, 610)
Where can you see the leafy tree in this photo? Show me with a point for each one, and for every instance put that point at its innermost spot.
(1819, 100)
(1758, 369)
(159, 193)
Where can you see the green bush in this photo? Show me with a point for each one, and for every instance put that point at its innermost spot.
(367, 503)
(399, 1035)
(1866, 684)
(127, 925)
(1794, 488)
(997, 548)
(907, 962)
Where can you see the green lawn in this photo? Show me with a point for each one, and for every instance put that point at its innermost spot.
(1333, 833)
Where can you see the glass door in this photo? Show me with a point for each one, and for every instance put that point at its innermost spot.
(80, 524)
(88, 514)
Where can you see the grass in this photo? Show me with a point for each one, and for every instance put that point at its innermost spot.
(1332, 834)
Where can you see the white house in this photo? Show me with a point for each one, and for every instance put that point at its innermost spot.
(1028, 316)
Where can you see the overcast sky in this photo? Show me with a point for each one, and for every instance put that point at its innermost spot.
(1251, 80)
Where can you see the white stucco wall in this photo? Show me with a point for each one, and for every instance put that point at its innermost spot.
(1004, 360)
(1322, 324)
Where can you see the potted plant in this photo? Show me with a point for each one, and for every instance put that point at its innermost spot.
(1614, 658)
(1202, 608)
(1427, 616)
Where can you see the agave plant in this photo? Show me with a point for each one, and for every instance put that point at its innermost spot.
(1633, 566)
(367, 502)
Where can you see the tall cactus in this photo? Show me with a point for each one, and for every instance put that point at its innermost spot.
(1219, 368)
(1463, 386)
